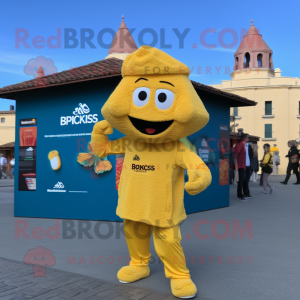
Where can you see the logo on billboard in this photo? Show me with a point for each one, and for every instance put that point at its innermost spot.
(29, 153)
(80, 116)
(81, 109)
(58, 187)
(26, 122)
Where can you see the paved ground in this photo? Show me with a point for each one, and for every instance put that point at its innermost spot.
(17, 282)
(262, 265)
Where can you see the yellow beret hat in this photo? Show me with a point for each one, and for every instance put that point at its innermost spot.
(152, 61)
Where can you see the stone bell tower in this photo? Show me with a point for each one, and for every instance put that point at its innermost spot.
(253, 52)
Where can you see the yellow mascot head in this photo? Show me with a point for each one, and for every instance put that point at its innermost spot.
(155, 100)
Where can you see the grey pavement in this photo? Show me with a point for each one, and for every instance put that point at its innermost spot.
(260, 263)
(6, 190)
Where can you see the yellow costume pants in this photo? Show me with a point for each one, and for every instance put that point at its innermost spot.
(166, 243)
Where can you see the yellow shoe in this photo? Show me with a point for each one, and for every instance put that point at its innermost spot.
(183, 288)
(132, 273)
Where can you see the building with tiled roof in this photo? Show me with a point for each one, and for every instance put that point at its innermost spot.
(106, 68)
(110, 67)
(276, 118)
(64, 107)
(7, 146)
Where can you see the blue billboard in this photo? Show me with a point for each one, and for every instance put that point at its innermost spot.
(52, 184)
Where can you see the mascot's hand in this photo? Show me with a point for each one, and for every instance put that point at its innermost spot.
(102, 128)
(99, 137)
(198, 181)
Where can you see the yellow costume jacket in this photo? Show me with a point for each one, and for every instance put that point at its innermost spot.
(154, 105)
(152, 180)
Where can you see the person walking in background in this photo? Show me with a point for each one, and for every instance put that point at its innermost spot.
(276, 162)
(293, 156)
(240, 165)
(232, 165)
(3, 165)
(274, 148)
(276, 158)
(267, 168)
(254, 163)
(249, 156)
(12, 164)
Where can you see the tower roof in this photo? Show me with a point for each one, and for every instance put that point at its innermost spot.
(123, 41)
(253, 42)
(40, 72)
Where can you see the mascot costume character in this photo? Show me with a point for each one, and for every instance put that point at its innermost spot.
(154, 106)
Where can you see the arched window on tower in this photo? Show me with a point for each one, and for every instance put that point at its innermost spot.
(270, 61)
(259, 60)
(236, 63)
(247, 60)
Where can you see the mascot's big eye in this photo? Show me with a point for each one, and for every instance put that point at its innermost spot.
(164, 99)
(141, 96)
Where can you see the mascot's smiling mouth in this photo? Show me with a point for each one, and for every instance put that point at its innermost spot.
(148, 127)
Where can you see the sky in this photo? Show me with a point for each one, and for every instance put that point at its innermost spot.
(213, 22)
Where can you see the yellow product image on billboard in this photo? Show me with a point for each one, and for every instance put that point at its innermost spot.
(54, 158)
